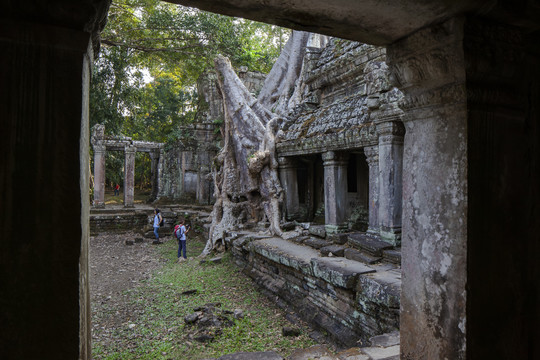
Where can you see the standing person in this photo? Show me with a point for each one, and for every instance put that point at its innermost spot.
(157, 221)
(180, 232)
(117, 190)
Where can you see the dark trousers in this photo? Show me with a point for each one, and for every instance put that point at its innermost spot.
(182, 248)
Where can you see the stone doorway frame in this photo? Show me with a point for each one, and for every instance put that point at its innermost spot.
(102, 144)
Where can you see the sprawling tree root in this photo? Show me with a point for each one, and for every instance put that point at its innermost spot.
(247, 187)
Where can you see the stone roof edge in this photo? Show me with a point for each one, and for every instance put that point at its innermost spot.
(358, 137)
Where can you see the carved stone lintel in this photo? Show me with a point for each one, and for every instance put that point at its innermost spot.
(334, 158)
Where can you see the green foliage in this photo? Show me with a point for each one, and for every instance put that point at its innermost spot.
(144, 81)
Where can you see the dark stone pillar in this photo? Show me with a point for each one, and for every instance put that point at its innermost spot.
(372, 157)
(429, 68)
(335, 191)
(129, 176)
(100, 153)
(503, 171)
(390, 180)
(289, 181)
(44, 191)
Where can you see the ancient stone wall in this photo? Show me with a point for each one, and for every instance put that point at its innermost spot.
(347, 300)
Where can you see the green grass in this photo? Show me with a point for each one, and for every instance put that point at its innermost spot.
(159, 310)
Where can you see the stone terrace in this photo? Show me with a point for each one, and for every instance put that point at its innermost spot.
(350, 300)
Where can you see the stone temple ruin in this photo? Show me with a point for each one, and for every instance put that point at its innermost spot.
(340, 165)
(340, 154)
(469, 76)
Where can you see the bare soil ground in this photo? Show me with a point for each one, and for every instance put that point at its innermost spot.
(114, 268)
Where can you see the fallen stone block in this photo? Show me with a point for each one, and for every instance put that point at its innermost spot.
(290, 235)
(356, 255)
(368, 244)
(335, 250)
(318, 230)
(192, 318)
(316, 243)
(393, 256)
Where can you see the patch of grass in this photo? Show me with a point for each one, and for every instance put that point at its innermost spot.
(157, 330)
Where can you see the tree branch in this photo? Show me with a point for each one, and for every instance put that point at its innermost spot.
(148, 49)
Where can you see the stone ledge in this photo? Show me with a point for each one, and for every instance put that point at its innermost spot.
(339, 271)
(336, 271)
(382, 287)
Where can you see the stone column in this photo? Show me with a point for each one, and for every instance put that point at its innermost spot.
(100, 153)
(335, 191)
(44, 182)
(154, 161)
(428, 67)
(129, 175)
(390, 180)
(372, 157)
(289, 181)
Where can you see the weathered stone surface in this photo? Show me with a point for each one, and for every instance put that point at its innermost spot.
(383, 288)
(378, 353)
(316, 243)
(393, 256)
(130, 242)
(315, 352)
(290, 235)
(318, 230)
(191, 318)
(339, 271)
(356, 255)
(340, 239)
(385, 340)
(352, 354)
(322, 290)
(335, 250)
(266, 355)
(366, 243)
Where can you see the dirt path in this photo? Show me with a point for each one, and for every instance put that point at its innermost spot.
(114, 268)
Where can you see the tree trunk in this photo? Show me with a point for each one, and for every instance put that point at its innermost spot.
(247, 187)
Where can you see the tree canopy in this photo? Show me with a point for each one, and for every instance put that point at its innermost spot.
(152, 53)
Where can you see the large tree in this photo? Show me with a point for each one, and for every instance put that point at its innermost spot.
(152, 53)
(247, 186)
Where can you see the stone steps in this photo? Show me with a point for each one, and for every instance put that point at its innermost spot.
(359, 247)
(366, 243)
